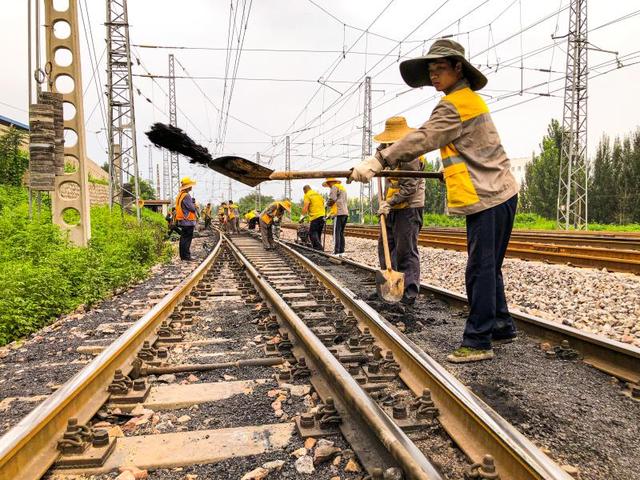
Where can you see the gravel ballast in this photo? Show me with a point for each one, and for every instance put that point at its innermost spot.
(596, 301)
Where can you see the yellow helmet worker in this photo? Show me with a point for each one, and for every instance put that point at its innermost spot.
(313, 206)
(272, 211)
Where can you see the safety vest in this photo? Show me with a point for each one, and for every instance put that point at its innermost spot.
(220, 211)
(191, 216)
(333, 211)
(207, 212)
(316, 204)
(250, 215)
(394, 187)
(232, 210)
(270, 212)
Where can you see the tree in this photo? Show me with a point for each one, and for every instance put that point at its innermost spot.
(540, 192)
(248, 202)
(434, 191)
(602, 185)
(147, 192)
(13, 160)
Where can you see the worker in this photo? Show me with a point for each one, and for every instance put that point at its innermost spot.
(338, 211)
(313, 208)
(186, 217)
(222, 209)
(251, 218)
(233, 217)
(479, 182)
(402, 205)
(206, 214)
(273, 212)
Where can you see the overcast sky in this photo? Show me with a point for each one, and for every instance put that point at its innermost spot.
(324, 120)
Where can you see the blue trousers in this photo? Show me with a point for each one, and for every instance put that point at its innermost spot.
(488, 234)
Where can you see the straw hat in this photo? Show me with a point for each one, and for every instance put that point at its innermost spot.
(415, 72)
(395, 128)
(186, 182)
(286, 204)
(330, 179)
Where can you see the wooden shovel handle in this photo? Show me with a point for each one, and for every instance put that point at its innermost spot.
(383, 230)
(299, 175)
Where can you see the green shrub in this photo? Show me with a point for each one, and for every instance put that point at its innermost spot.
(43, 276)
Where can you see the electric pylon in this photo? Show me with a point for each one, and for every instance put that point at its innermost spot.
(365, 188)
(174, 182)
(572, 184)
(123, 156)
(287, 167)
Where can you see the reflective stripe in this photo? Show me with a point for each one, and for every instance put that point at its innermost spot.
(447, 162)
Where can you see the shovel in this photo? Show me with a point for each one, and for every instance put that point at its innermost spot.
(252, 174)
(240, 169)
(389, 283)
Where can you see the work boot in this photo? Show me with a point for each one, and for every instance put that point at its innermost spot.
(468, 354)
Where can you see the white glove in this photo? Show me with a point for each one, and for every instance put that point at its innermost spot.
(365, 170)
(384, 208)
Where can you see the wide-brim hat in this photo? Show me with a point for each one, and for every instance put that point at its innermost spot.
(415, 72)
(330, 179)
(187, 182)
(395, 128)
(286, 204)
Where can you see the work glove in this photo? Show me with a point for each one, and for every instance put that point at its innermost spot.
(384, 208)
(365, 170)
(302, 219)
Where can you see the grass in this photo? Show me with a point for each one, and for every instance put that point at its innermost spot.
(42, 275)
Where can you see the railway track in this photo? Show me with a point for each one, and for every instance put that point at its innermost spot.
(368, 386)
(618, 252)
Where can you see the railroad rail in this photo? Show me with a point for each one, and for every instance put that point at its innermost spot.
(614, 251)
(353, 356)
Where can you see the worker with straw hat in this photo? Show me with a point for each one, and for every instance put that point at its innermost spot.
(274, 211)
(479, 182)
(186, 216)
(338, 211)
(402, 205)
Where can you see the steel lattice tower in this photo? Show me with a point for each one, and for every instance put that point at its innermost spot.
(365, 188)
(258, 192)
(123, 153)
(166, 175)
(572, 185)
(287, 168)
(174, 177)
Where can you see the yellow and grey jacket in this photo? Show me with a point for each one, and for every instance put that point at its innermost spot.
(273, 210)
(338, 200)
(406, 192)
(476, 168)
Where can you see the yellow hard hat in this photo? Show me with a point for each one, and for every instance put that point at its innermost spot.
(330, 179)
(186, 182)
(394, 129)
(286, 204)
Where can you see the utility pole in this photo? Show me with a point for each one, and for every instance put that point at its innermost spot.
(572, 184)
(287, 168)
(166, 176)
(123, 156)
(173, 120)
(258, 193)
(150, 147)
(158, 181)
(365, 188)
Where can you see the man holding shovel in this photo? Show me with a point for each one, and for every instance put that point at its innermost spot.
(402, 205)
(273, 212)
(479, 184)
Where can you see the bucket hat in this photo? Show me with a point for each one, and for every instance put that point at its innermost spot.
(330, 179)
(286, 204)
(415, 71)
(394, 129)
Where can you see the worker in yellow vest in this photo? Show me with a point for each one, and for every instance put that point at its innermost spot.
(274, 211)
(479, 182)
(338, 211)
(233, 217)
(206, 213)
(313, 208)
(186, 217)
(222, 212)
(251, 218)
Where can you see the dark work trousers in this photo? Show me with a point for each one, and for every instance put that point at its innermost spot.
(173, 228)
(403, 228)
(266, 233)
(488, 234)
(252, 223)
(186, 235)
(207, 223)
(315, 232)
(339, 222)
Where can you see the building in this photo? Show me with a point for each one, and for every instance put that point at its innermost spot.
(519, 168)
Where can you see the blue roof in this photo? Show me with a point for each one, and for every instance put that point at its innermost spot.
(15, 123)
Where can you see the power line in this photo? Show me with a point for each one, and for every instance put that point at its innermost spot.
(257, 79)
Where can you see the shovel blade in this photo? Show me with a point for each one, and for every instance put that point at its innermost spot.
(390, 285)
(241, 169)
